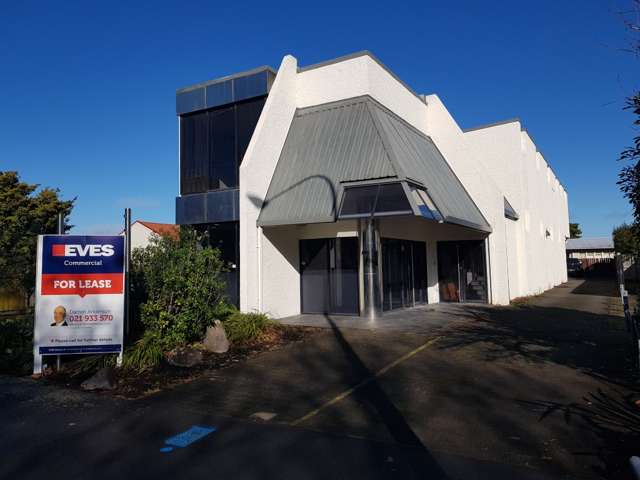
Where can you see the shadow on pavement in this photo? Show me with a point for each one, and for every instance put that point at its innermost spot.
(594, 345)
(597, 286)
(612, 416)
(370, 394)
(580, 340)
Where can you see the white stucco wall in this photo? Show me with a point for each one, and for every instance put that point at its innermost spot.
(256, 170)
(536, 261)
(490, 163)
(140, 235)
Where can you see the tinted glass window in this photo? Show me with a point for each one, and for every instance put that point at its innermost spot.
(359, 200)
(222, 152)
(247, 117)
(392, 198)
(194, 153)
(219, 94)
(251, 86)
(190, 100)
(212, 144)
(190, 209)
(425, 204)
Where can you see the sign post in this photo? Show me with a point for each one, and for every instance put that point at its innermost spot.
(79, 296)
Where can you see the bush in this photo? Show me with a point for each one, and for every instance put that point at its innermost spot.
(178, 288)
(16, 344)
(145, 354)
(245, 327)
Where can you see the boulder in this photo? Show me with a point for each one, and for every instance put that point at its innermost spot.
(216, 339)
(185, 357)
(103, 379)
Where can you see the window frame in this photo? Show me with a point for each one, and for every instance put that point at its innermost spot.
(373, 213)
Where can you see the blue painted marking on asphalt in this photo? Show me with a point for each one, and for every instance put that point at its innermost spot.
(166, 449)
(189, 436)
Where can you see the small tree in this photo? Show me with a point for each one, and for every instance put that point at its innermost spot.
(629, 176)
(625, 240)
(574, 230)
(24, 214)
(179, 286)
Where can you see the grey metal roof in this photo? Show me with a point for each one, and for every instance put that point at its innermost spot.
(593, 243)
(354, 140)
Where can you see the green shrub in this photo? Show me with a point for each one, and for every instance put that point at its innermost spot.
(225, 311)
(146, 354)
(16, 344)
(90, 364)
(179, 287)
(244, 327)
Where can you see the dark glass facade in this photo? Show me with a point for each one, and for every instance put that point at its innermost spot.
(213, 143)
(226, 238)
(217, 120)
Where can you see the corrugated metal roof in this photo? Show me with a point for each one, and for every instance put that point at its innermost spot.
(351, 140)
(594, 243)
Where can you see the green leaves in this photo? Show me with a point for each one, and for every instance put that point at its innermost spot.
(25, 214)
(179, 288)
(629, 176)
(244, 327)
(625, 240)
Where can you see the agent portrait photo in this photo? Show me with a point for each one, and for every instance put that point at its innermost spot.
(59, 317)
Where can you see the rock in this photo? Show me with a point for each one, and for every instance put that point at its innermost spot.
(263, 416)
(185, 357)
(216, 339)
(103, 379)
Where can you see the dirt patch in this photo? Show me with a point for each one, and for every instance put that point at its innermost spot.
(132, 385)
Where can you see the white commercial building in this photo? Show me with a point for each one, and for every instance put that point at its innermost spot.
(334, 188)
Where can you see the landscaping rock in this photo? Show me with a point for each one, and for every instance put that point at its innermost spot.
(185, 357)
(216, 339)
(263, 416)
(103, 379)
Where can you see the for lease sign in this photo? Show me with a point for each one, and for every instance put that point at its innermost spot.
(79, 294)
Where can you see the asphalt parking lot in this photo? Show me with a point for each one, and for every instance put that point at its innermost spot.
(495, 392)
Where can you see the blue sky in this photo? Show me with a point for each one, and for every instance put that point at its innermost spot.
(87, 89)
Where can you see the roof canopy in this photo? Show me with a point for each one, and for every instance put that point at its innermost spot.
(354, 142)
(593, 243)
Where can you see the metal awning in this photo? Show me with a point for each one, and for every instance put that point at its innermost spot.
(340, 145)
(509, 211)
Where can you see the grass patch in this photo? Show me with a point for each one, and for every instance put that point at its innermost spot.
(246, 327)
(524, 301)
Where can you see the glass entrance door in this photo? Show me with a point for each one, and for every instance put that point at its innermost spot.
(329, 275)
(473, 278)
(462, 271)
(404, 273)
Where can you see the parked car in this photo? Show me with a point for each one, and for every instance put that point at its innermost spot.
(574, 267)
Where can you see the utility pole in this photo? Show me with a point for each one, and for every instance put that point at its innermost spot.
(60, 232)
(127, 262)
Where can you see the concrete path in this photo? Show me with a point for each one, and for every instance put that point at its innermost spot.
(420, 320)
(491, 393)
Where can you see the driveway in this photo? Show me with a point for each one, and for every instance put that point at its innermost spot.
(456, 392)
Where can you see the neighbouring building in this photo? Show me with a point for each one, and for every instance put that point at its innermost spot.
(142, 232)
(335, 188)
(591, 250)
